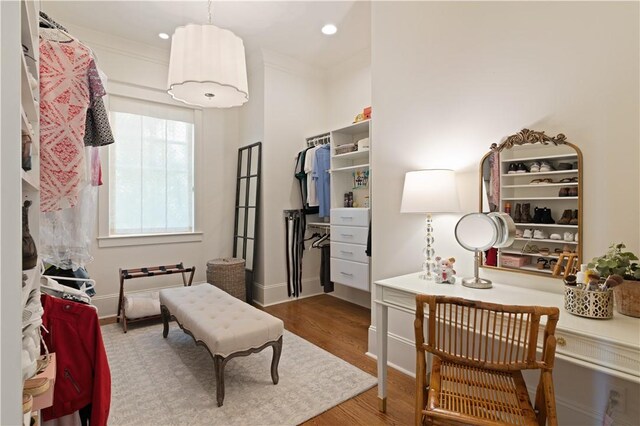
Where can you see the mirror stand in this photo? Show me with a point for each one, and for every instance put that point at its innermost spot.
(476, 281)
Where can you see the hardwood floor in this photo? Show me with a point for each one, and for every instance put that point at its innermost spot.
(340, 328)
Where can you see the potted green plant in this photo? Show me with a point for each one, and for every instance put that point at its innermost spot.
(617, 261)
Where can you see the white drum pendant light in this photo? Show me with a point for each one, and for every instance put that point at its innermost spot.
(207, 67)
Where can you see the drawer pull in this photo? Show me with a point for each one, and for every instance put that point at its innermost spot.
(561, 341)
(346, 273)
(346, 252)
(346, 217)
(347, 235)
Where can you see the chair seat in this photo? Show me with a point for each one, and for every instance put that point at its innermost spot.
(471, 395)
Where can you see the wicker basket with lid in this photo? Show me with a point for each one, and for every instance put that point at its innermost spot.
(228, 274)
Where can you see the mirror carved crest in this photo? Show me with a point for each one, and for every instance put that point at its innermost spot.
(537, 180)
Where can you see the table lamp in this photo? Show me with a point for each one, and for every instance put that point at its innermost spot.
(429, 191)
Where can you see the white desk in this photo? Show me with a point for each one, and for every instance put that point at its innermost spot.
(611, 346)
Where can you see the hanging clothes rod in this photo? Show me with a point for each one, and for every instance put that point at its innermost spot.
(319, 225)
(322, 139)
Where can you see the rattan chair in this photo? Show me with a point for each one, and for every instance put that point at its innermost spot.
(478, 352)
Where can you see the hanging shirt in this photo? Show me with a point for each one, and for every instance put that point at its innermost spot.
(321, 166)
(312, 195)
(64, 99)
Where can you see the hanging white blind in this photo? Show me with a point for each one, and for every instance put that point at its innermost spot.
(151, 168)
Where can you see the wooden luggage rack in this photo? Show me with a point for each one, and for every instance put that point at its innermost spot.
(149, 271)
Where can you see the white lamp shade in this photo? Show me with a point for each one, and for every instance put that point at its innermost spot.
(430, 191)
(207, 67)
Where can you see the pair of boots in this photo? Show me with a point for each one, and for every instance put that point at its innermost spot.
(542, 215)
(569, 217)
(522, 215)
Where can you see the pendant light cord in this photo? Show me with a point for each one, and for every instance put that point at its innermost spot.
(209, 6)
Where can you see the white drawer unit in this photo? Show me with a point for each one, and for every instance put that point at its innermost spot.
(350, 217)
(349, 260)
(352, 274)
(349, 234)
(353, 252)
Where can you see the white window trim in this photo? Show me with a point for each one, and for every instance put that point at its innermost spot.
(104, 238)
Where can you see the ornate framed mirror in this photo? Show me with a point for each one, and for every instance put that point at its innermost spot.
(537, 180)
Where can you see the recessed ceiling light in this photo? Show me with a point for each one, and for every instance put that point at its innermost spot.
(163, 36)
(329, 29)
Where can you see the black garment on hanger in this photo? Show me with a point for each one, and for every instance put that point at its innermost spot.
(325, 268)
(301, 176)
(295, 226)
(368, 250)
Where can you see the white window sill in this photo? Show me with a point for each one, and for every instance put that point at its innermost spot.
(148, 239)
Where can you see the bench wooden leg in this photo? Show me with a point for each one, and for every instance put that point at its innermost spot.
(277, 351)
(166, 316)
(219, 362)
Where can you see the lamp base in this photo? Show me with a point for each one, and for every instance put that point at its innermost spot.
(426, 276)
(476, 282)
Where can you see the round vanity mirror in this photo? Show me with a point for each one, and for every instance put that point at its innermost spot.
(478, 232)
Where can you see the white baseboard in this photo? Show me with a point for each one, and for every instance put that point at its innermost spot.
(274, 294)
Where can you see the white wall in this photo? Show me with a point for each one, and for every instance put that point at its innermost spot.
(294, 108)
(140, 70)
(449, 79)
(348, 89)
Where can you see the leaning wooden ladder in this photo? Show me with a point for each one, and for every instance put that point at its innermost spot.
(150, 271)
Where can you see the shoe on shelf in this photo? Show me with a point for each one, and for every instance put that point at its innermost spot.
(566, 217)
(521, 168)
(555, 237)
(534, 167)
(528, 233)
(564, 192)
(526, 213)
(573, 191)
(567, 248)
(541, 263)
(512, 168)
(537, 215)
(544, 251)
(553, 263)
(564, 166)
(545, 166)
(517, 215)
(576, 239)
(546, 216)
(568, 236)
(519, 233)
(530, 248)
(574, 218)
(540, 234)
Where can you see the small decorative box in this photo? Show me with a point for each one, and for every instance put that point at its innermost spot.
(514, 261)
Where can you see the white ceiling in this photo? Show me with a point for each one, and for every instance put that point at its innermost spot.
(288, 27)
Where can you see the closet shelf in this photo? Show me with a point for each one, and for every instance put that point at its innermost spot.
(542, 157)
(27, 96)
(540, 240)
(344, 169)
(531, 175)
(32, 283)
(26, 32)
(532, 268)
(537, 198)
(30, 179)
(355, 128)
(554, 256)
(545, 225)
(540, 185)
(352, 155)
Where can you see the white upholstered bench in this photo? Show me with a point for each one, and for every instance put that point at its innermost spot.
(226, 326)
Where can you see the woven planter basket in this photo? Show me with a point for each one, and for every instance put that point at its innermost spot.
(627, 297)
(228, 274)
(589, 304)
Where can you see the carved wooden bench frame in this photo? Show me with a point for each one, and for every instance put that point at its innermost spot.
(219, 361)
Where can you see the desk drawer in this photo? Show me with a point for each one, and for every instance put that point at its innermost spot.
(352, 274)
(353, 252)
(349, 234)
(350, 217)
(398, 298)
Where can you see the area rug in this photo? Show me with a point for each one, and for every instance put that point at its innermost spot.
(171, 381)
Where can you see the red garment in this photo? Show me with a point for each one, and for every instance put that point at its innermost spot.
(82, 375)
